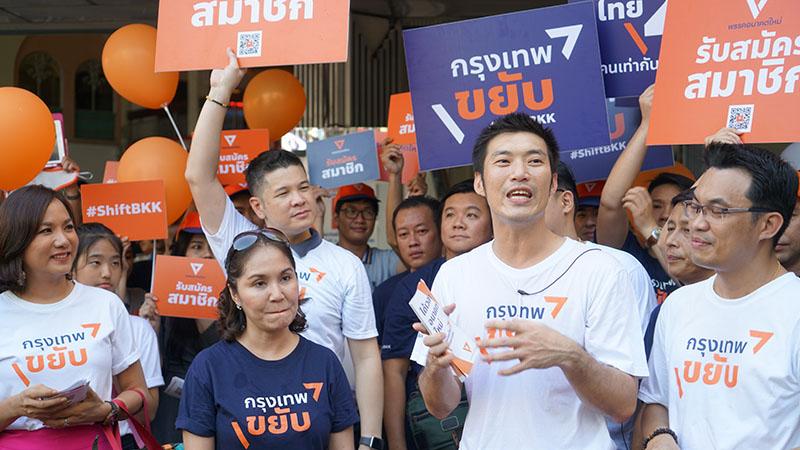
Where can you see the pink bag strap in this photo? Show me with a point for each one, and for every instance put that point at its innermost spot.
(142, 431)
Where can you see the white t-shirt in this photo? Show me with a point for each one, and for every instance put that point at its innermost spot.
(728, 370)
(644, 296)
(87, 335)
(539, 409)
(146, 342)
(333, 279)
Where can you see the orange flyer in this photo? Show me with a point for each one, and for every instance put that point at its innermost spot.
(135, 209)
(193, 35)
(237, 149)
(728, 63)
(187, 287)
(110, 174)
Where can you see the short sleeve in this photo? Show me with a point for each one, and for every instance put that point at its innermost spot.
(343, 407)
(123, 346)
(613, 329)
(654, 389)
(232, 224)
(398, 334)
(643, 292)
(197, 411)
(147, 342)
(358, 314)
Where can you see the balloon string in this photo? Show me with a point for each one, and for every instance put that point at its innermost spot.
(175, 126)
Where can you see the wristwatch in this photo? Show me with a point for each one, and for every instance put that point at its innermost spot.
(371, 442)
(113, 415)
(654, 235)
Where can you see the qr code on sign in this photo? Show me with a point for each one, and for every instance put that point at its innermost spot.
(740, 117)
(249, 44)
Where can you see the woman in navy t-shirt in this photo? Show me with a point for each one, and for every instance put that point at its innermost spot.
(263, 385)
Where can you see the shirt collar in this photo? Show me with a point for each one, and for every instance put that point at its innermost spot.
(303, 248)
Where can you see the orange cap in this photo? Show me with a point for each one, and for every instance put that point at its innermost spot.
(191, 223)
(235, 188)
(359, 191)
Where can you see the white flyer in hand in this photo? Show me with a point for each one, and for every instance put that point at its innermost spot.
(431, 314)
(75, 393)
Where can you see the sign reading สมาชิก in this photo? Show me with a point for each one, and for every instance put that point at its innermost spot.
(740, 70)
(237, 149)
(135, 209)
(343, 160)
(187, 287)
(193, 35)
(544, 63)
(595, 163)
(630, 39)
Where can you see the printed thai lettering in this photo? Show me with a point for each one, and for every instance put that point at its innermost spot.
(646, 64)
(711, 50)
(196, 287)
(201, 299)
(64, 339)
(279, 423)
(342, 160)
(348, 169)
(619, 10)
(75, 362)
(515, 311)
(407, 128)
(230, 12)
(39, 363)
(715, 345)
(256, 430)
(480, 64)
(719, 369)
(770, 79)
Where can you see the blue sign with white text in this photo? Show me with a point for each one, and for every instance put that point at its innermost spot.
(343, 160)
(630, 40)
(543, 62)
(595, 163)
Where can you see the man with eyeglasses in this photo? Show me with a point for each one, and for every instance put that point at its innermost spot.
(725, 364)
(355, 208)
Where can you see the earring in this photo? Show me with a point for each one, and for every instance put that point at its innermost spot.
(239, 307)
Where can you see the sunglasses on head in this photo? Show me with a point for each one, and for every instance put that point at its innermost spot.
(245, 240)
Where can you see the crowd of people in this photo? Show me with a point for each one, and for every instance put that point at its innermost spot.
(607, 316)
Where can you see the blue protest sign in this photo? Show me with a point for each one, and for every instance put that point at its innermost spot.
(630, 39)
(343, 160)
(595, 163)
(544, 62)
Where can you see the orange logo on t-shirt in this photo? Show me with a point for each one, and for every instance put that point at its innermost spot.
(762, 336)
(559, 303)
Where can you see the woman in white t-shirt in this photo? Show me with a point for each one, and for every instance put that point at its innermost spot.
(57, 334)
(99, 263)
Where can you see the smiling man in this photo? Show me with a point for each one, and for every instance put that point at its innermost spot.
(724, 369)
(563, 347)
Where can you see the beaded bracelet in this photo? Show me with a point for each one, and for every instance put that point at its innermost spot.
(657, 432)
(224, 105)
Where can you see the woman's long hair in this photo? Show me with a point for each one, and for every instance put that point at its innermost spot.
(21, 215)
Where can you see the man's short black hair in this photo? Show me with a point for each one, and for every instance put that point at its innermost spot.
(566, 182)
(773, 181)
(414, 202)
(267, 162)
(463, 187)
(513, 123)
(683, 183)
(683, 196)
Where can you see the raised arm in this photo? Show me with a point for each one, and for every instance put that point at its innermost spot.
(612, 221)
(392, 160)
(201, 167)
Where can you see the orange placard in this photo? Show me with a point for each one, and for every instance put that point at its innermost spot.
(237, 149)
(187, 287)
(110, 174)
(193, 35)
(135, 209)
(401, 119)
(728, 63)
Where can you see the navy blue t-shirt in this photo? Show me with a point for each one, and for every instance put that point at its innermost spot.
(662, 282)
(244, 401)
(398, 334)
(380, 298)
(651, 331)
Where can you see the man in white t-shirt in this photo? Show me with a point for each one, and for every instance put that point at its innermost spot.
(725, 364)
(339, 306)
(563, 348)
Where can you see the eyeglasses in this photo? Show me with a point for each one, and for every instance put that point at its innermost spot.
(350, 213)
(717, 213)
(245, 240)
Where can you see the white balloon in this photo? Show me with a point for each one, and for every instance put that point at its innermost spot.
(791, 154)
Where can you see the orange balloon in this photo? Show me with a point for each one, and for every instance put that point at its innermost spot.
(129, 60)
(28, 136)
(158, 158)
(274, 99)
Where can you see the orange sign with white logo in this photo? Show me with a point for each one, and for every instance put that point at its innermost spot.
(237, 149)
(740, 69)
(193, 35)
(135, 209)
(110, 173)
(188, 287)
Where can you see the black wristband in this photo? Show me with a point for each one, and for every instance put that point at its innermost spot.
(657, 432)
